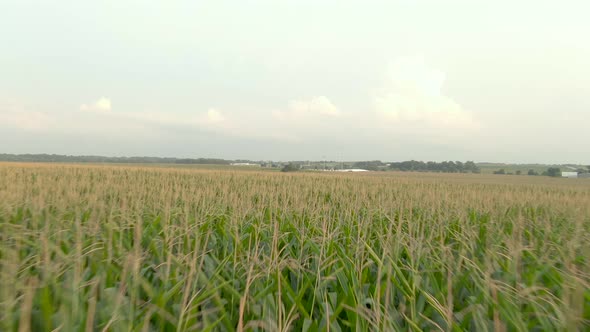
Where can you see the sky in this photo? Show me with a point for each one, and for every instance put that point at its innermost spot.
(496, 81)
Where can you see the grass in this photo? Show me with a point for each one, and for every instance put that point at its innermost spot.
(131, 248)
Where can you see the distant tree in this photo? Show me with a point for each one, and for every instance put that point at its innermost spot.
(470, 166)
(431, 166)
(290, 167)
(101, 159)
(553, 172)
(500, 171)
(532, 172)
(519, 172)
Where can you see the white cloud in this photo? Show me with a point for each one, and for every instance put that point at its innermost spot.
(215, 116)
(101, 105)
(24, 120)
(299, 120)
(316, 106)
(414, 98)
(411, 75)
(210, 119)
(14, 115)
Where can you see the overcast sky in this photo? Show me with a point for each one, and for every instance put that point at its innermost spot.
(504, 81)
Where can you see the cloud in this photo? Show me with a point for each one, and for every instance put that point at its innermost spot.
(214, 116)
(316, 106)
(210, 119)
(102, 108)
(410, 106)
(101, 105)
(17, 116)
(413, 99)
(299, 119)
(24, 120)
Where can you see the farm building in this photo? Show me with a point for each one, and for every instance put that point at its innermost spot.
(584, 175)
(569, 174)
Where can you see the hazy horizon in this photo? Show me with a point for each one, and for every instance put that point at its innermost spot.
(393, 160)
(306, 80)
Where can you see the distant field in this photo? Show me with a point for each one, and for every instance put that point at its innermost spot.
(150, 248)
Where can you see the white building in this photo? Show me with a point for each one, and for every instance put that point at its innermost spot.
(572, 175)
(244, 164)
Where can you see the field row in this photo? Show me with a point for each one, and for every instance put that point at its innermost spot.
(148, 249)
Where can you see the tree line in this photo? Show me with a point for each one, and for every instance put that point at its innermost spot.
(551, 171)
(101, 159)
(432, 166)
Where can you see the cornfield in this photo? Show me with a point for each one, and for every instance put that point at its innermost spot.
(122, 248)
